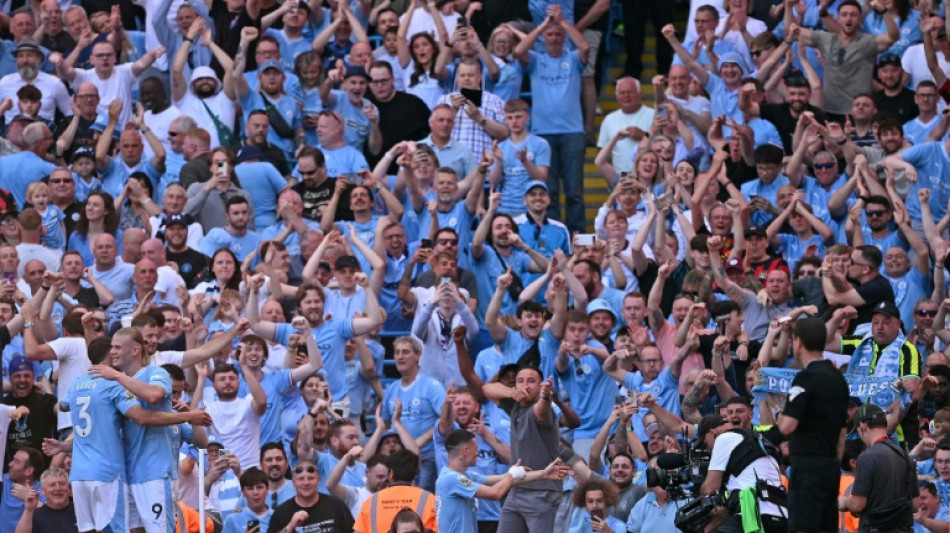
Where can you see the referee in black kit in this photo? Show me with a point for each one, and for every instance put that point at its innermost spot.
(814, 420)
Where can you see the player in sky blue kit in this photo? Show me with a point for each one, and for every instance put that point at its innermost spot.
(98, 473)
(151, 463)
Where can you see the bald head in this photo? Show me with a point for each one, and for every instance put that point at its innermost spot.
(33, 272)
(105, 251)
(154, 251)
(145, 276)
(132, 240)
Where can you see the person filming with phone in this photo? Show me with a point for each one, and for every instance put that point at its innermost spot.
(479, 115)
(207, 201)
(592, 500)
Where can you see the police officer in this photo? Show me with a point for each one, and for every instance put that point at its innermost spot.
(885, 482)
(744, 468)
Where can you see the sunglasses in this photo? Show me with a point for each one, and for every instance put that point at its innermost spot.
(819, 166)
(807, 273)
(875, 213)
(447, 242)
(926, 312)
(305, 468)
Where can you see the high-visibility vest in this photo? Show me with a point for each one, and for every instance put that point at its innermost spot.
(377, 513)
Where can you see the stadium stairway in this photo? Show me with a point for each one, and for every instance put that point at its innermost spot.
(595, 187)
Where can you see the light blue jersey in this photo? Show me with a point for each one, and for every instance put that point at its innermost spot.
(219, 238)
(514, 177)
(263, 183)
(149, 450)
(487, 464)
(591, 390)
(356, 125)
(331, 337)
(556, 85)
(53, 222)
(455, 505)
(344, 160)
(421, 405)
(237, 522)
(273, 385)
(288, 109)
(933, 171)
(665, 388)
(96, 407)
(117, 174)
(353, 476)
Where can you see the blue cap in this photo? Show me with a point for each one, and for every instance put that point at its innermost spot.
(536, 183)
(20, 364)
(100, 123)
(600, 304)
(212, 439)
(271, 63)
(732, 57)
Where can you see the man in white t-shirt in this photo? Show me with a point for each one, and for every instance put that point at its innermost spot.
(237, 421)
(914, 61)
(113, 81)
(632, 114)
(68, 351)
(201, 98)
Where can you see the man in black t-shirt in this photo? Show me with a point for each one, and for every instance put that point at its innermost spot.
(896, 100)
(863, 288)
(314, 188)
(190, 261)
(814, 421)
(30, 429)
(785, 116)
(402, 116)
(58, 514)
(320, 512)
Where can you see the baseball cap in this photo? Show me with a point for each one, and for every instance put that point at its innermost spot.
(177, 220)
(651, 429)
(536, 183)
(271, 63)
(249, 152)
(355, 71)
(82, 152)
(709, 423)
(888, 308)
(214, 440)
(869, 413)
(758, 231)
(734, 264)
(19, 364)
(347, 261)
(889, 59)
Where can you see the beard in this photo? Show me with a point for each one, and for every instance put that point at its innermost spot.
(27, 72)
(204, 91)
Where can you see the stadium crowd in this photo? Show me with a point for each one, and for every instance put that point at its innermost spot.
(326, 267)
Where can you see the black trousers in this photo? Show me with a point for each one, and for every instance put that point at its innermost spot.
(635, 14)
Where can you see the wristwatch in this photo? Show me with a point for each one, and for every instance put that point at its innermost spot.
(482, 122)
(27, 324)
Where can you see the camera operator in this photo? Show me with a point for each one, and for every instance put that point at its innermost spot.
(885, 483)
(741, 464)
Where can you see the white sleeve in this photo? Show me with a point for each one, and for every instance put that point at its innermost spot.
(66, 348)
(722, 449)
